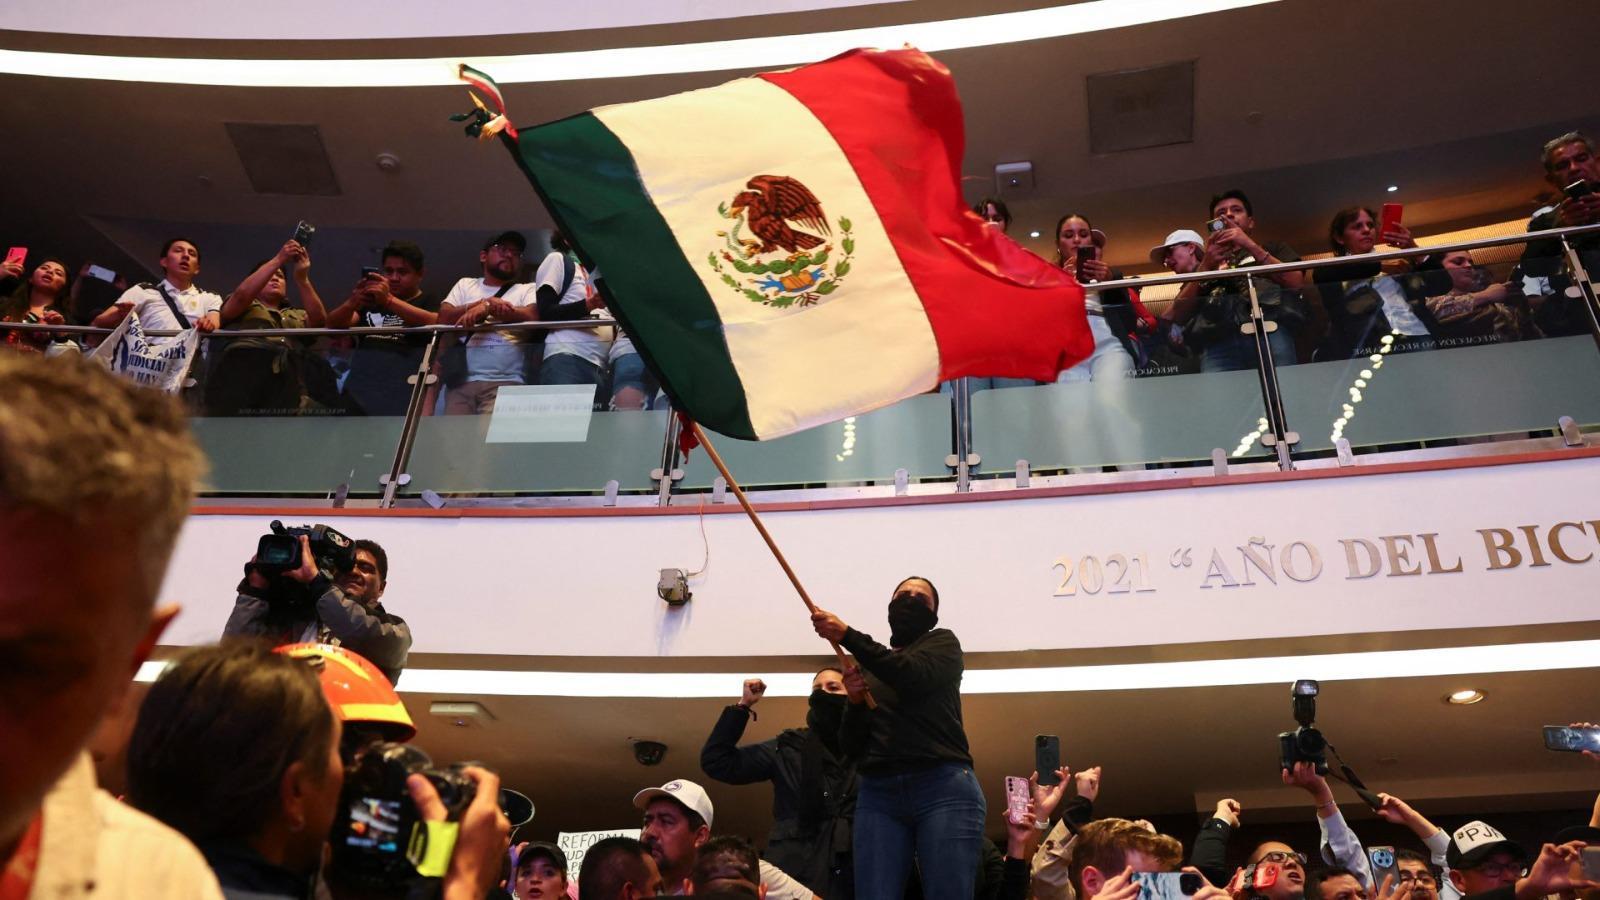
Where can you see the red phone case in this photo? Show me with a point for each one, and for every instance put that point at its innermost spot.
(20, 254)
(1389, 218)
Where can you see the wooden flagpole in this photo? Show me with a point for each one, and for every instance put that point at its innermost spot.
(738, 492)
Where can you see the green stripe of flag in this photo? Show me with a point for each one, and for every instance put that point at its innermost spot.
(591, 185)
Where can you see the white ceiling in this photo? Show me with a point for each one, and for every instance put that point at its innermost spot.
(1350, 98)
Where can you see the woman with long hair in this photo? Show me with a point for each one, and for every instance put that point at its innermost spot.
(39, 300)
(1114, 316)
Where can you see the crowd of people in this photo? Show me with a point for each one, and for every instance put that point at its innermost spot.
(1339, 312)
(262, 769)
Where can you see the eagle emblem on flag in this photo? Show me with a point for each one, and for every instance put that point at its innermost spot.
(779, 246)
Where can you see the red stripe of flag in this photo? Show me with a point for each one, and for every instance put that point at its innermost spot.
(996, 309)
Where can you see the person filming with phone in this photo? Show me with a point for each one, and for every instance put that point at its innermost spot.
(330, 596)
(1114, 316)
(917, 794)
(1573, 171)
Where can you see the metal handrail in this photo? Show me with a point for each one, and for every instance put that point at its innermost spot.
(1144, 282)
(1332, 261)
(321, 332)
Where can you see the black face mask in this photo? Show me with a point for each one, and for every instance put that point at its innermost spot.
(909, 619)
(825, 715)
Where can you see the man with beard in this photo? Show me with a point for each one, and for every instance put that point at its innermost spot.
(677, 823)
(813, 785)
(918, 799)
(475, 368)
(345, 611)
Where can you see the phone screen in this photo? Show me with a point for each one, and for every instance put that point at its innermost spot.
(374, 825)
(1166, 885)
(1571, 740)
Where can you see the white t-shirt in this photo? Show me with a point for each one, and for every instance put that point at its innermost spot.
(492, 355)
(153, 312)
(587, 343)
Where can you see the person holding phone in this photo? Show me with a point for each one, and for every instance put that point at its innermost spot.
(1212, 312)
(40, 300)
(1114, 316)
(1476, 308)
(174, 303)
(918, 799)
(271, 375)
(1367, 301)
(389, 297)
(1572, 170)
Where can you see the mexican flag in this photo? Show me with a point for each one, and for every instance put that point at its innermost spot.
(793, 248)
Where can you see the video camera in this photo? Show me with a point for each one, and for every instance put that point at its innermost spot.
(380, 842)
(279, 551)
(1306, 743)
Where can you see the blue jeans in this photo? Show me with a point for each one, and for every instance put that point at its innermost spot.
(935, 816)
(1239, 352)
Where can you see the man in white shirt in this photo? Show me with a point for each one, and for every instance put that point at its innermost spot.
(175, 304)
(475, 369)
(677, 822)
(566, 293)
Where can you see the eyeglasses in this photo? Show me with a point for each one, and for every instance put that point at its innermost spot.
(1422, 879)
(1280, 857)
(507, 249)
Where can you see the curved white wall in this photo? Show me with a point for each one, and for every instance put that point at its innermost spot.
(584, 585)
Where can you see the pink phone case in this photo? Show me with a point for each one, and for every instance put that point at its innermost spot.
(1016, 798)
(19, 254)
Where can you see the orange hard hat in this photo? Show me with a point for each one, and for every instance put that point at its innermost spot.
(357, 691)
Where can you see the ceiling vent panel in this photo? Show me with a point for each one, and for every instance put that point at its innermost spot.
(284, 159)
(1139, 108)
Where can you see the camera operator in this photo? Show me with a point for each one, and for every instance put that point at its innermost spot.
(237, 747)
(309, 604)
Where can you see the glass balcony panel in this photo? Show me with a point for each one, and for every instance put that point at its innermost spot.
(913, 434)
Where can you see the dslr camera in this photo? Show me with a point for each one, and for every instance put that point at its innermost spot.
(1306, 743)
(380, 842)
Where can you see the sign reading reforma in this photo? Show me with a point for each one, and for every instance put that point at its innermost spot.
(576, 843)
(1486, 546)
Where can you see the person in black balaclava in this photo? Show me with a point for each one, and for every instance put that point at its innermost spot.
(918, 798)
(813, 785)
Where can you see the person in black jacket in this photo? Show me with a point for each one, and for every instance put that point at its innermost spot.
(1368, 309)
(917, 795)
(345, 609)
(813, 784)
(1570, 167)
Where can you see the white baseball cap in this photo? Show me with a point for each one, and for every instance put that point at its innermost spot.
(1181, 236)
(686, 792)
(1475, 842)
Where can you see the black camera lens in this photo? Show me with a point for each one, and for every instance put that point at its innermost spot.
(1310, 741)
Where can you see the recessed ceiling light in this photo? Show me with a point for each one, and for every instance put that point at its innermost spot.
(1033, 234)
(1393, 187)
(1465, 698)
